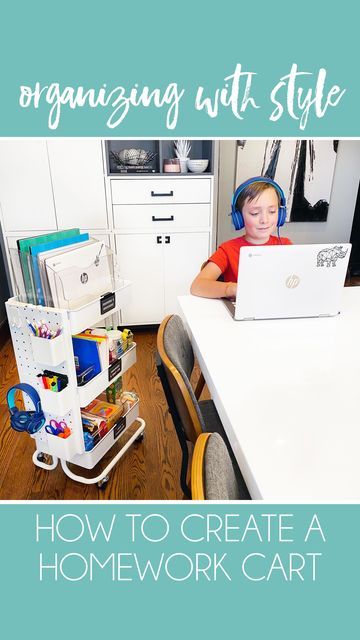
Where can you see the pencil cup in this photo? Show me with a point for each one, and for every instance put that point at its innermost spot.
(56, 402)
(62, 448)
(50, 352)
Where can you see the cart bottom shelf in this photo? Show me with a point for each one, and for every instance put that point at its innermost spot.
(89, 459)
(102, 478)
(63, 448)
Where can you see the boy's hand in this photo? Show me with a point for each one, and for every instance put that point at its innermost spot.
(231, 290)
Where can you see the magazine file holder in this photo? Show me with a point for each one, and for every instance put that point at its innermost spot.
(79, 284)
(71, 286)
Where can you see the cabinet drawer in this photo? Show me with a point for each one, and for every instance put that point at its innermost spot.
(160, 191)
(161, 216)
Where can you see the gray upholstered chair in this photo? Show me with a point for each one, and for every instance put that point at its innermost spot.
(212, 472)
(191, 417)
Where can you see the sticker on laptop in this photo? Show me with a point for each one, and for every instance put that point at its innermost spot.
(328, 257)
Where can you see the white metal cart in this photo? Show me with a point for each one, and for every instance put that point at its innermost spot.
(34, 354)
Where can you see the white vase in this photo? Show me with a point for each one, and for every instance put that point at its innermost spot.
(183, 165)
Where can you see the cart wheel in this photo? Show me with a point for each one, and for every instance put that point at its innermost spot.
(141, 437)
(41, 457)
(103, 482)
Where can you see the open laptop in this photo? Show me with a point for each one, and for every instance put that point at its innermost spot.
(290, 281)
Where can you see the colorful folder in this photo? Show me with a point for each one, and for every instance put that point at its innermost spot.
(24, 245)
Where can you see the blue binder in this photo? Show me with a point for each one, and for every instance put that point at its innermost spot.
(86, 355)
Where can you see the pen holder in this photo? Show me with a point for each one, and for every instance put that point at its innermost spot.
(63, 448)
(50, 352)
(56, 402)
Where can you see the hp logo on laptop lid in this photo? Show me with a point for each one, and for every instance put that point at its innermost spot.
(292, 281)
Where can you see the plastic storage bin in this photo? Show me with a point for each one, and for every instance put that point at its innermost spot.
(57, 403)
(49, 352)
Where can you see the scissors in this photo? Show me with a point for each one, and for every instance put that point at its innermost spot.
(56, 428)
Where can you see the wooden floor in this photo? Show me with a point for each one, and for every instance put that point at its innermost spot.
(148, 471)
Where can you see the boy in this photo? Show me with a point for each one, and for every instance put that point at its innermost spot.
(259, 206)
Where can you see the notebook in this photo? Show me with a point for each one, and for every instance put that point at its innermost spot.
(290, 281)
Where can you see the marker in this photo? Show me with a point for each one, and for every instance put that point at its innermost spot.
(32, 328)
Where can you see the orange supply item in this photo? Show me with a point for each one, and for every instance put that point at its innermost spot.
(104, 410)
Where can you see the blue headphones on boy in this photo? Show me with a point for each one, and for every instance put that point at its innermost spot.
(236, 214)
(20, 420)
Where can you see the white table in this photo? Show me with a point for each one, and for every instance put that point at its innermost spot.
(288, 395)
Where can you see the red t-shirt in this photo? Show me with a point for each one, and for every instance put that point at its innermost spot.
(227, 255)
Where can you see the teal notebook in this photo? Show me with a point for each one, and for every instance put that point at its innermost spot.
(24, 245)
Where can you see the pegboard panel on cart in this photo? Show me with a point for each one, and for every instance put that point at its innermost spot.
(56, 405)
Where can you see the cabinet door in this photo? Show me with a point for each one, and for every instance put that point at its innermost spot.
(140, 258)
(26, 196)
(78, 182)
(184, 254)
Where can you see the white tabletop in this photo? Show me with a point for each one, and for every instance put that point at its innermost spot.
(287, 392)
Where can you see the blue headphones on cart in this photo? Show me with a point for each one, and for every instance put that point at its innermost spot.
(236, 214)
(20, 420)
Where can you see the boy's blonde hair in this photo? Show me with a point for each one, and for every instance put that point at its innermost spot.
(252, 191)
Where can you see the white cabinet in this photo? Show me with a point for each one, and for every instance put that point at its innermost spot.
(161, 267)
(141, 260)
(184, 254)
(78, 182)
(163, 230)
(53, 184)
(26, 196)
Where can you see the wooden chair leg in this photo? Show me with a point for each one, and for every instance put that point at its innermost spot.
(199, 387)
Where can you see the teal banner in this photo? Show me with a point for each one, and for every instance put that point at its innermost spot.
(150, 570)
(121, 69)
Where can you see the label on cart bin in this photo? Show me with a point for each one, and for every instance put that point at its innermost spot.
(115, 369)
(119, 427)
(107, 302)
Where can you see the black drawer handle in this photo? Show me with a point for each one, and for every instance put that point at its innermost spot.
(154, 219)
(161, 195)
(159, 239)
(167, 239)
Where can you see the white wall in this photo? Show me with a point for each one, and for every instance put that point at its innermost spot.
(337, 228)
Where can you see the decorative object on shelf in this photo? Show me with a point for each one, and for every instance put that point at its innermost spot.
(133, 160)
(172, 165)
(197, 166)
(182, 151)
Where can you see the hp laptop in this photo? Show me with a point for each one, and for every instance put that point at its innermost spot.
(290, 281)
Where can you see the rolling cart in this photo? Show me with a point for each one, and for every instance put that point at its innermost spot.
(34, 354)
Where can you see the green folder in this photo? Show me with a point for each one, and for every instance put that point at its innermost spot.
(24, 245)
